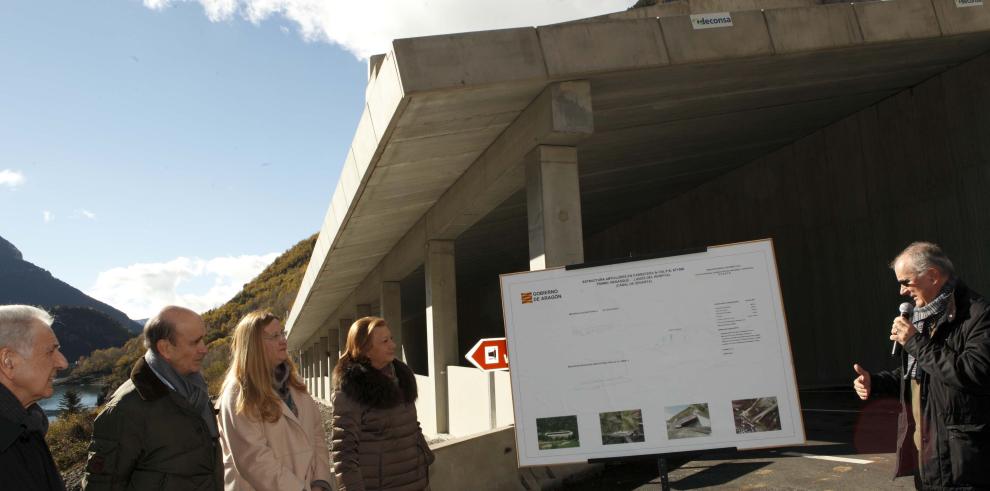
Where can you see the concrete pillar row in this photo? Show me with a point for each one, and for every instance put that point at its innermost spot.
(332, 356)
(317, 368)
(391, 302)
(299, 364)
(305, 368)
(321, 351)
(312, 369)
(553, 207)
(441, 322)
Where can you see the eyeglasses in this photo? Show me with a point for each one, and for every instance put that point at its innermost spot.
(275, 337)
(914, 282)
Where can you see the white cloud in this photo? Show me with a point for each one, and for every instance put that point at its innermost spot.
(140, 290)
(11, 178)
(367, 28)
(86, 214)
(47, 216)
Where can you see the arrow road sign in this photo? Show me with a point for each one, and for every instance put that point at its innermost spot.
(489, 354)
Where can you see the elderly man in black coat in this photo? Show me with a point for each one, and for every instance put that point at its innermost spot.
(943, 378)
(29, 360)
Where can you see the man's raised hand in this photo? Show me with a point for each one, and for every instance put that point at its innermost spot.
(862, 382)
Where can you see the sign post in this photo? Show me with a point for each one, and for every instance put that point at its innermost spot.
(489, 354)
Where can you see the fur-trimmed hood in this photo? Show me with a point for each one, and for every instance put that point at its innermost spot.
(371, 387)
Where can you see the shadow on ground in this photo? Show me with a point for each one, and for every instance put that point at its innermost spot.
(835, 420)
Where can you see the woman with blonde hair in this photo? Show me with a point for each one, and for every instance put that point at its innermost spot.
(377, 441)
(270, 428)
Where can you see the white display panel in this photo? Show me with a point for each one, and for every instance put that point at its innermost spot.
(663, 355)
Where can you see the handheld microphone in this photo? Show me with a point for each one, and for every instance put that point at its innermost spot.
(906, 309)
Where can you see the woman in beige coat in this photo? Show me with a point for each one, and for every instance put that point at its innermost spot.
(377, 441)
(270, 428)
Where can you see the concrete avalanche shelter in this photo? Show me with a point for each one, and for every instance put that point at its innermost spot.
(842, 131)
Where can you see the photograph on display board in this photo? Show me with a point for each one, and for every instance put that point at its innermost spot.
(557, 432)
(622, 427)
(688, 421)
(755, 415)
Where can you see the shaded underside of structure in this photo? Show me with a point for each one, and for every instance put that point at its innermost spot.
(673, 108)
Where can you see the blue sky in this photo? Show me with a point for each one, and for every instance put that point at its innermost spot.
(166, 151)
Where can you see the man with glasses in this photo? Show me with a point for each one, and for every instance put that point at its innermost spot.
(943, 378)
(159, 430)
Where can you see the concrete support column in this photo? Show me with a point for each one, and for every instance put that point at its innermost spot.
(441, 321)
(391, 302)
(553, 207)
(313, 368)
(321, 351)
(307, 374)
(345, 326)
(301, 364)
(332, 351)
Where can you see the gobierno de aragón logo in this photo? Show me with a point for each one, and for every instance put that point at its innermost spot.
(540, 296)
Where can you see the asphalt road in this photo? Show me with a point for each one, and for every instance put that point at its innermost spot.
(850, 446)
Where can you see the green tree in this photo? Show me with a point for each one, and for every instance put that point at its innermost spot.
(70, 403)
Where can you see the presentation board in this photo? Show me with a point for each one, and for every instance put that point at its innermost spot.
(663, 355)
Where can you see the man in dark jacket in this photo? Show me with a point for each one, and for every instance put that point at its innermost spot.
(944, 376)
(29, 360)
(159, 430)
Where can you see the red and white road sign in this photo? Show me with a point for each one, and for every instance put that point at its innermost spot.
(489, 354)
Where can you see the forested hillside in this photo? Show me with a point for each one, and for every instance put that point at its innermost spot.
(80, 330)
(274, 289)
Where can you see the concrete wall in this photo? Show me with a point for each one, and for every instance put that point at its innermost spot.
(470, 394)
(426, 407)
(488, 461)
(839, 204)
(481, 398)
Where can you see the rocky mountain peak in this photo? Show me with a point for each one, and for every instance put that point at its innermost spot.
(7, 250)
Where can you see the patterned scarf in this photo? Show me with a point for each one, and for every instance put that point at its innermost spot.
(924, 319)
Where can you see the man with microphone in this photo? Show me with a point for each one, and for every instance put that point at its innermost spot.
(943, 378)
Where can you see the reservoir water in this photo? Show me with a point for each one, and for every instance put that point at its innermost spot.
(87, 392)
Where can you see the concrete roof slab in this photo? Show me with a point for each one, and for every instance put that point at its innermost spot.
(813, 28)
(469, 59)
(437, 106)
(365, 142)
(350, 176)
(897, 21)
(384, 95)
(685, 7)
(961, 20)
(574, 49)
(463, 144)
(746, 37)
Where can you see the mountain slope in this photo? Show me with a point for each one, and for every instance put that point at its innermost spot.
(21, 282)
(80, 330)
(274, 289)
